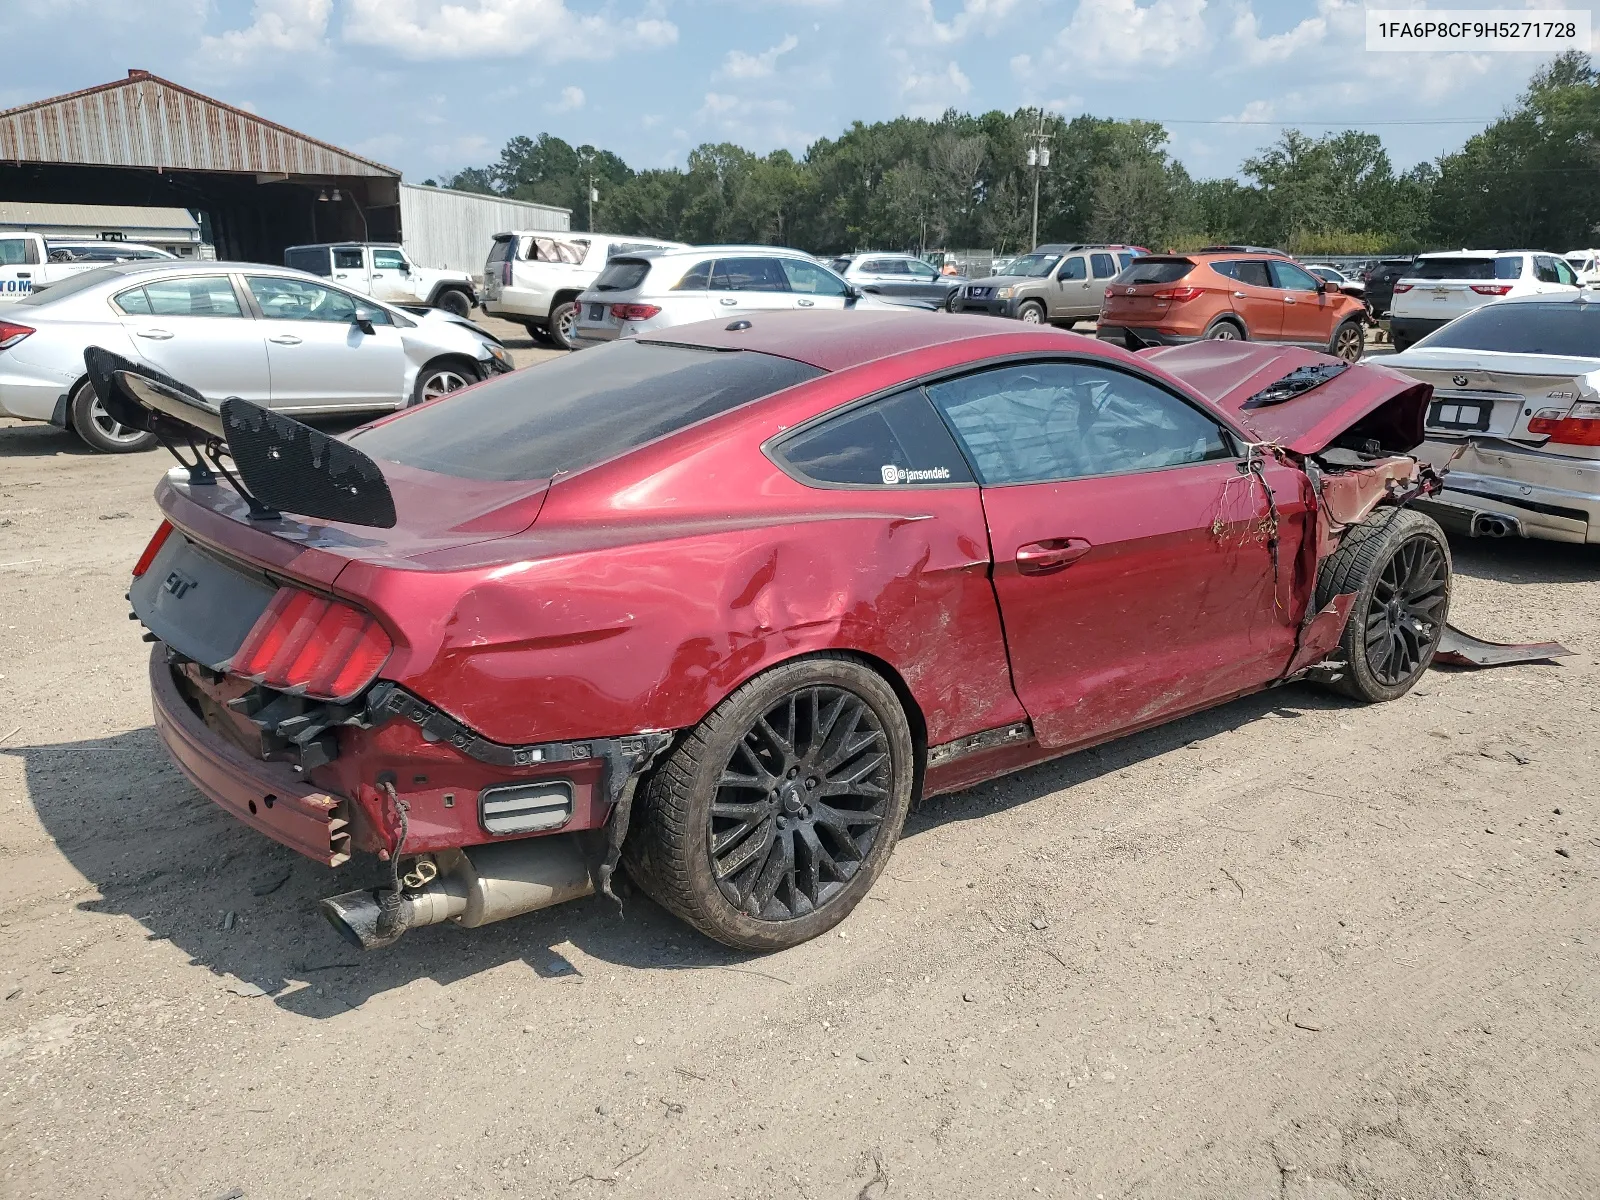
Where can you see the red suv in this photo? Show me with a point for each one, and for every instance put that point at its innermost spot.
(1230, 293)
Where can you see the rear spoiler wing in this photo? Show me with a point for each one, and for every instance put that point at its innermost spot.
(279, 464)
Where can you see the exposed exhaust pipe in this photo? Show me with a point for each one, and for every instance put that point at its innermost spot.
(473, 887)
(1495, 525)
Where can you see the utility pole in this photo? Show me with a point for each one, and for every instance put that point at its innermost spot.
(1038, 159)
(594, 194)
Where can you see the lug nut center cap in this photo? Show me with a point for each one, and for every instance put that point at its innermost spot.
(793, 802)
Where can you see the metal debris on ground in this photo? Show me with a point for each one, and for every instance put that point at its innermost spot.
(1458, 649)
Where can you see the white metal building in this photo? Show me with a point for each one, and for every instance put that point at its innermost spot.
(454, 230)
(172, 229)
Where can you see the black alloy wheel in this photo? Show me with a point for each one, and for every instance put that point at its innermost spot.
(1404, 614)
(799, 804)
(1396, 563)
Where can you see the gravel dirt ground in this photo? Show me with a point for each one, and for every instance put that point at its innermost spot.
(1288, 948)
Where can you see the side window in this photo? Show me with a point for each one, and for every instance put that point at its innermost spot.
(748, 275)
(389, 260)
(1253, 272)
(346, 260)
(811, 279)
(203, 296)
(1073, 268)
(1230, 269)
(1292, 278)
(1508, 266)
(18, 252)
(1564, 273)
(1053, 420)
(698, 278)
(133, 301)
(1104, 265)
(897, 441)
(296, 300)
(1124, 258)
(922, 271)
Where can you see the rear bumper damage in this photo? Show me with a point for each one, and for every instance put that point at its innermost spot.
(474, 831)
(1497, 488)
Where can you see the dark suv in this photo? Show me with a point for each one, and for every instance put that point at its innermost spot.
(1380, 284)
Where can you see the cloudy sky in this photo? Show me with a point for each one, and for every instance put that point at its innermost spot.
(431, 85)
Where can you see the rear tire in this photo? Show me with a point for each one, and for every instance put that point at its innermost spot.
(441, 378)
(455, 302)
(564, 325)
(1349, 341)
(1225, 331)
(98, 431)
(1397, 562)
(776, 814)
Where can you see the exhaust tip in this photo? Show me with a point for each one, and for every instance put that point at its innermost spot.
(355, 917)
(1494, 525)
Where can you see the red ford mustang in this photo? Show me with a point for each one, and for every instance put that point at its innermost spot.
(720, 605)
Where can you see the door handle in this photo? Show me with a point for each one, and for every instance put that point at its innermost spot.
(1240, 295)
(1050, 555)
(285, 339)
(1289, 300)
(155, 335)
(24, 274)
(729, 300)
(806, 303)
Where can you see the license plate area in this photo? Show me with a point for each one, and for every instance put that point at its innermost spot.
(1470, 415)
(199, 605)
(597, 312)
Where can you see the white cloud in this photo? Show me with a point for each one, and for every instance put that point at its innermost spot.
(427, 30)
(976, 15)
(928, 93)
(1279, 46)
(739, 65)
(572, 98)
(276, 27)
(1114, 37)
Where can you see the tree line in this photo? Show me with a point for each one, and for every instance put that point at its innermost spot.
(963, 181)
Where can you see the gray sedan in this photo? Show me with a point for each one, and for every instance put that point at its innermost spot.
(900, 276)
(279, 337)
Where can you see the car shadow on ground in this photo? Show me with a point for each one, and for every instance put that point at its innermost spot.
(245, 908)
(1524, 560)
(39, 441)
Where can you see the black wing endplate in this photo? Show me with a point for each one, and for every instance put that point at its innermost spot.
(282, 465)
(294, 468)
(141, 397)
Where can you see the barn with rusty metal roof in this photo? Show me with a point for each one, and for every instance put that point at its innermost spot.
(147, 141)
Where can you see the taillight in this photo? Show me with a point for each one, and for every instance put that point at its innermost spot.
(313, 646)
(157, 540)
(634, 312)
(505, 273)
(1491, 289)
(1578, 427)
(1403, 287)
(1178, 294)
(11, 334)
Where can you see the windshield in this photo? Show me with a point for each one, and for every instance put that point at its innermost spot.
(1570, 330)
(572, 412)
(1035, 266)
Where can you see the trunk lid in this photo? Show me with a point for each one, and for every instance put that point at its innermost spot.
(1142, 292)
(1376, 402)
(1496, 394)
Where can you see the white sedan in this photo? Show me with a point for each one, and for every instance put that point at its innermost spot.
(279, 337)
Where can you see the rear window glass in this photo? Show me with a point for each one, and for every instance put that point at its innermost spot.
(1156, 270)
(622, 275)
(572, 412)
(314, 261)
(1572, 330)
(1509, 267)
(503, 248)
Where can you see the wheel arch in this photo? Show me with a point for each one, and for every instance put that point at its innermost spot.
(1229, 318)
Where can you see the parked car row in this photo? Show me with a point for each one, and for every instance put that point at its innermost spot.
(1437, 288)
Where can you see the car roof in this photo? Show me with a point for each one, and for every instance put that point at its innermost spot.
(1575, 296)
(837, 340)
(1473, 253)
(342, 246)
(1229, 252)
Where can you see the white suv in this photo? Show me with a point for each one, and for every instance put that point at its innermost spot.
(1438, 288)
(646, 291)
(534, 278)
(1586, 265)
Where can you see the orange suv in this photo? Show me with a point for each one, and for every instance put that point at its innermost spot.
(1230, 293)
